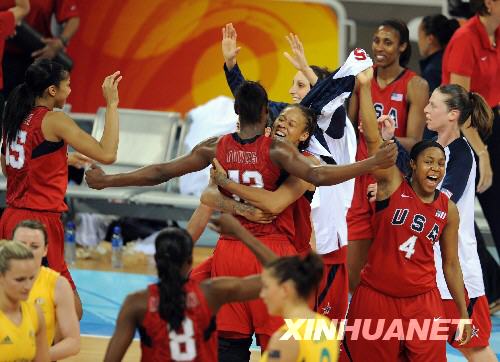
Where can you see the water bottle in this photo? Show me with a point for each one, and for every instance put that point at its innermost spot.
(69, 243)
(116, 248)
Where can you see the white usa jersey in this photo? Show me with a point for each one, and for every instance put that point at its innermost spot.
(334, 142)
(459, 185)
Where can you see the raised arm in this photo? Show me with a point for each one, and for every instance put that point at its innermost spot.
(273, 202)
(67, 322)
(126, 323)
(371, 131)
(298, 58)
(287, 157)
(57, 126)
(418, 97)
(199, 158)
(451, 266)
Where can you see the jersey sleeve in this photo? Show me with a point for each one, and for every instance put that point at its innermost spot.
(458, 168)
(235, 78)
(461, 59)
(65, 10)
(7, 24)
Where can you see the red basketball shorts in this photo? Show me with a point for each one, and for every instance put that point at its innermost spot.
(397, 317)
(55, 233)
(359, 214)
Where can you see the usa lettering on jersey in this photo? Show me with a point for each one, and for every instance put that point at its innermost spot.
(418, 222)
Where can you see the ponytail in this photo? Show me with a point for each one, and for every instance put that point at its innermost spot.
(440, 27)
(305, 272)
(19, 105)
(469, 104)
(481, 116)
(174, 248)
(38, 77)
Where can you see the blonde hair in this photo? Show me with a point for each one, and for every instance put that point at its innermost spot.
(12, 250)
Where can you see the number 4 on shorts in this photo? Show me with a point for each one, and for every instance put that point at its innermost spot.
(409, 246)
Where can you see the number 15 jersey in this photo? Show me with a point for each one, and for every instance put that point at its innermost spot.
(401, 257)
(37, 169)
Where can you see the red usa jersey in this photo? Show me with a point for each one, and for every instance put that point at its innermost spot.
(196, 339)
(391, 100)
(247, 162)
(37, 169)
(302, 222)
(401, 257)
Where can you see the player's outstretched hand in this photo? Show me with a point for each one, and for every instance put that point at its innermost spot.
(229, 46)
(110, 88)
(78, 160)
(226, 224)
(95, 177)
(386, 155)
(298, 56)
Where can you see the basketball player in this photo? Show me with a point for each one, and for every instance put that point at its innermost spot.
(23, 334)
(399, 276)
(450, 106)
(400, 93)
(34, 152)
(176, 316)
(52, 293)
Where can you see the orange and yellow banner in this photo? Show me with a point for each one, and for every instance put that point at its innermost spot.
(170, 54)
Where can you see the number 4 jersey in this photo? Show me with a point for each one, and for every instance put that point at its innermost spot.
(37, 169)
(196, 339)
(401, 257)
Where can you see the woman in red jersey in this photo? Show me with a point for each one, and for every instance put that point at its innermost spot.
(400, 93)
(399, 278)
(176, 316)
(34, 152)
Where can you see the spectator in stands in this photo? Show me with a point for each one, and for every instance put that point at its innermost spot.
(17, 60)
(8, 20)
(434, 33)
(472, 60)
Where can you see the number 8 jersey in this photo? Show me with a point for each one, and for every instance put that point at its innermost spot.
(37, 169)
(194, 341)
(401, 257)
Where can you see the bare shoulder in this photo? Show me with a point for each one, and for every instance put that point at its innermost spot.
(282, 350)
(136, 304)
(52, 116)
(418, 84)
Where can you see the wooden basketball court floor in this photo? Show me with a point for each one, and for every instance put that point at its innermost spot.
(103, 289)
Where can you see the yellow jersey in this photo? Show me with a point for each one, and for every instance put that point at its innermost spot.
(311, 350)
(43, 294)
(18, 342)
